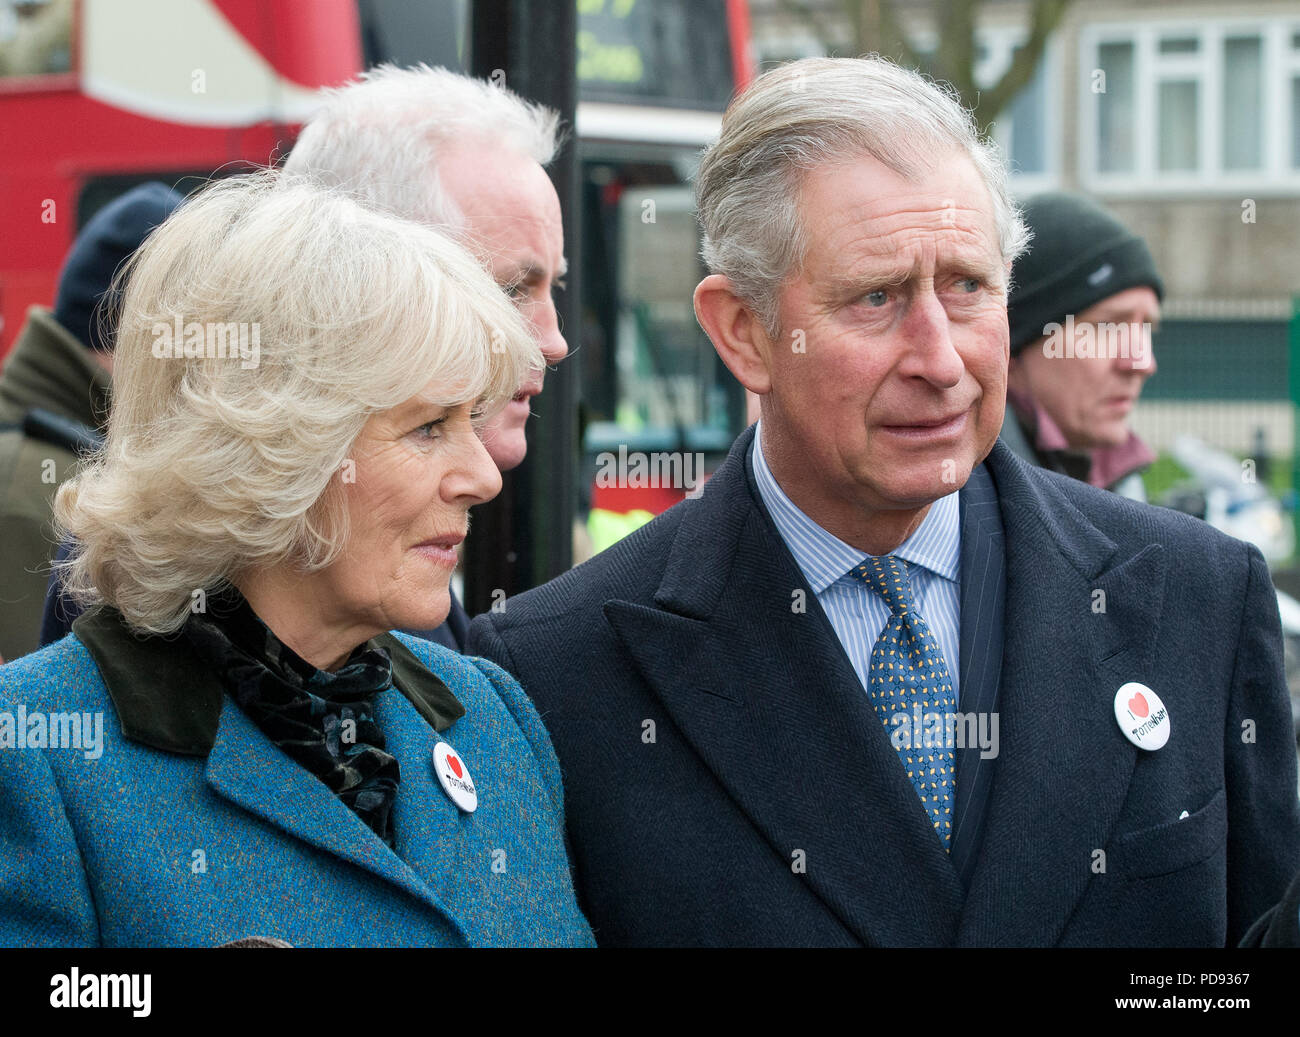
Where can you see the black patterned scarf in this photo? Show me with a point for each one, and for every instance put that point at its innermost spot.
(324, 721)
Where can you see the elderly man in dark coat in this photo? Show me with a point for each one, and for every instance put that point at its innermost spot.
(884, 683)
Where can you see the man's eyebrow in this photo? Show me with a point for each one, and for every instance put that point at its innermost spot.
(530, 270)
(865, 280)
(886, 275)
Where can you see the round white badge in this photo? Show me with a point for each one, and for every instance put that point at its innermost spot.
(1142, 716)
(454, 777)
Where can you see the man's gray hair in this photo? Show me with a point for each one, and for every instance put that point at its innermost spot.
(379, 139)
(814, 111)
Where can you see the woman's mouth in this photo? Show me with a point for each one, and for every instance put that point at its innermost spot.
(441, 550)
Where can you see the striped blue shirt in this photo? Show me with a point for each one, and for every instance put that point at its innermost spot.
(857, 613)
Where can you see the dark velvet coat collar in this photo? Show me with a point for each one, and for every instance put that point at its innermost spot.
(168, 699)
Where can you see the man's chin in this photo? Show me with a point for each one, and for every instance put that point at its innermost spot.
(936, 470)
(507, 449)
(1104, 437)
(919, 492)
(504, 437)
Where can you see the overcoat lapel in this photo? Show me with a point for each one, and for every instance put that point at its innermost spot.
(983, 603)
(245, 768)
(745, 662)
(1080, 620)
(765, 695)
(433, 836)
(167, 699)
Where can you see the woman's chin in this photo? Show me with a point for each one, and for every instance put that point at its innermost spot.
(432, 612)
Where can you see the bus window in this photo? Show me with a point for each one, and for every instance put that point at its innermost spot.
(651, 381)
(98, 191)
(672, 52)
(406, 33)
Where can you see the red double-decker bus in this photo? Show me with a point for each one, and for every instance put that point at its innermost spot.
(100, 95)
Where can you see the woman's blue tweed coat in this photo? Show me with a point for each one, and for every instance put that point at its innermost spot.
(199, 846)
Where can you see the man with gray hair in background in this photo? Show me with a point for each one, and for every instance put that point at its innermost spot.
(883, 683)
(468, 157)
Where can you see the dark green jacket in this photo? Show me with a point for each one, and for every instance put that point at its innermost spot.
(50, 369)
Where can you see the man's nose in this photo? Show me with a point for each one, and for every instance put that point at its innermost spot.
(546, 323)
(930, 351)
(1140, 357)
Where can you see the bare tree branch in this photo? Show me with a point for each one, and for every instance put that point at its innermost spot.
(1047, 16)
(954, 59)
(875, 26)
(900, 45)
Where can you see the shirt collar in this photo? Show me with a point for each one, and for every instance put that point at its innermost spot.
(824, 558)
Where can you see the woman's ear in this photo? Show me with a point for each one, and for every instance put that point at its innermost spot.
(737, 335)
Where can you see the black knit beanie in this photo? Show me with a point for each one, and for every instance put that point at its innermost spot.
(108, 238)
(1079, 255)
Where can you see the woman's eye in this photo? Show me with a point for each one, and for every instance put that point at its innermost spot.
(431, 429)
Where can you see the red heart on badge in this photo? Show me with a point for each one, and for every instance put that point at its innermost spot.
(454, 763)
(1138, 705)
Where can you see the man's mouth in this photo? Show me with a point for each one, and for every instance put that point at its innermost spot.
(937, 427)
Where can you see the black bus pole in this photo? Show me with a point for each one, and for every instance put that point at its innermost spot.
(525, 536)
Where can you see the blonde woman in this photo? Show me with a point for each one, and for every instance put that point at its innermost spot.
(287, 474)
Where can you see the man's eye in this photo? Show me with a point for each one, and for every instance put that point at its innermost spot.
(969, 285)
(877, 298)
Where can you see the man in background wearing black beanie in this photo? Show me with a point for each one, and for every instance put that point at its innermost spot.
(54, 396)
(1083, 301)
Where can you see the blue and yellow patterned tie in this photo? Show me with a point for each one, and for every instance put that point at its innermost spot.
(908, 671)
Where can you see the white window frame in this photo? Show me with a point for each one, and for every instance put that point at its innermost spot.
(1001, 41)
(1279, 63)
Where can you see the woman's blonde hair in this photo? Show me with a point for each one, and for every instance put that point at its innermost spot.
(262, 324)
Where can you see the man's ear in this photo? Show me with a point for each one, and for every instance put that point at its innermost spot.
(735, 332)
